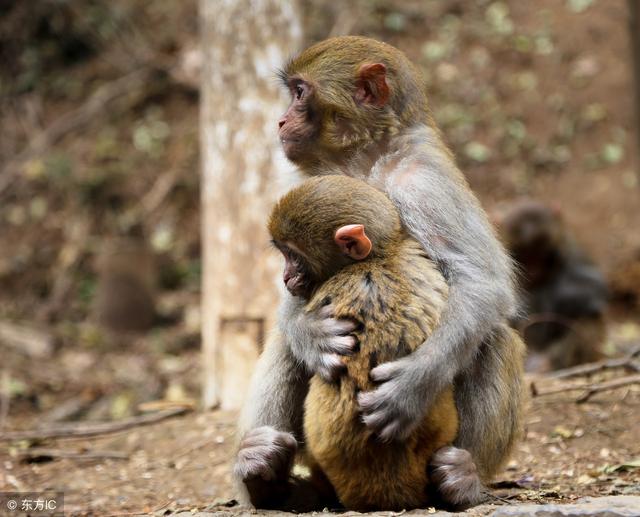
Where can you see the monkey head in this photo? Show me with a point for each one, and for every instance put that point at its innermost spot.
(535, 235)
(327, 223)
(347, 93)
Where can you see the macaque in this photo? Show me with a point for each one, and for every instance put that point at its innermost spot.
(564, 294)
(344, 246)
(359, 109)
(126, 285)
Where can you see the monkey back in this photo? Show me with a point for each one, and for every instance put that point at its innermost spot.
(398, 301)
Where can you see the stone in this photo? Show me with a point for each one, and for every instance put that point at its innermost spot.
(611, 506)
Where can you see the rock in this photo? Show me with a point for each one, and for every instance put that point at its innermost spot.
(613, 506)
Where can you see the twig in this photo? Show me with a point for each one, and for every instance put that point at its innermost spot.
(5, 398)
(608, 385)
(69, 409)
(33, 342)
(159, 191)
(590, 388)
(629, 361)
(42, 453)
(93, 429)
(76, 119)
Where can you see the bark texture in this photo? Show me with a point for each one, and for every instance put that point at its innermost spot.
(243, 172)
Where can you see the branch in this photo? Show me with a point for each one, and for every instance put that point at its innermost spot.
(39, 454)
(92, 429)
(629, 361)
(589, 388)
(28, 340)
(76, 119)
(608, 385)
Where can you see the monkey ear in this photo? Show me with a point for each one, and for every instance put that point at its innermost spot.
(353, 242)
(371, 85)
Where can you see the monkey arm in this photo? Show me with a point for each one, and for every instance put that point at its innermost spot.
(270, 425)
(316, 339)
(277, 391)
(440, 211)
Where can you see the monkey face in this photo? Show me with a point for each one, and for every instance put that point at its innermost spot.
(299, 126)
(297, 274)
(340, 102)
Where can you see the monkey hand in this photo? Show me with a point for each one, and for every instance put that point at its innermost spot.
(397, 406)
(265, 454)
(319, 341)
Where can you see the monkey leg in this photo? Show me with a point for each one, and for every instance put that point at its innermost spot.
(489, 398)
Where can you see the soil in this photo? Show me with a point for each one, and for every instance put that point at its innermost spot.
(569, 451)
(535, 101)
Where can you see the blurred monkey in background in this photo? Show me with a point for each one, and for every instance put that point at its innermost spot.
(564, 293)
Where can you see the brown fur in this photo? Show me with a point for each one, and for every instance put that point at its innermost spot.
(397, 295)
(398, 300)
(341, 127)
(377, 127)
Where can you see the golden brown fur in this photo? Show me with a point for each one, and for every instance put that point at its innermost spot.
(359, 108)
(398, 299)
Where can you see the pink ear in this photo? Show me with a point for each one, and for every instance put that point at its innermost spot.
(353, 242)
(371, 85)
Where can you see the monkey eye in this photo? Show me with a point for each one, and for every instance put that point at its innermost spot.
(299, 92)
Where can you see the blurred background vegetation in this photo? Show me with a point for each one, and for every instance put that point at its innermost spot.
(99, 158)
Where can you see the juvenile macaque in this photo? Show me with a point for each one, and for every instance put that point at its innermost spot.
(344, 246)
(564, 294)
(359, 109)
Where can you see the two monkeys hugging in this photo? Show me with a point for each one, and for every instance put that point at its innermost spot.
(394, 376)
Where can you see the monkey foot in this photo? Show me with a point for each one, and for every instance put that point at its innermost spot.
(456, 477)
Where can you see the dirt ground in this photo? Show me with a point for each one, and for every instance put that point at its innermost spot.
(569, 451)
(535, 100)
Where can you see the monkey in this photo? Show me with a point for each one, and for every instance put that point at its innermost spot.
(359, 108)
(344, 245)
(126, 284)
(564, 294)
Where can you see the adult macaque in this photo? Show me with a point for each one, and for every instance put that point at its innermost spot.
(565, 295)
(359, 109)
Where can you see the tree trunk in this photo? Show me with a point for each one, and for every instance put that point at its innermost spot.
(634, 26)
(243, 172)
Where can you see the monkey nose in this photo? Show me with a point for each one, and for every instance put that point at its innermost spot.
(281, 122)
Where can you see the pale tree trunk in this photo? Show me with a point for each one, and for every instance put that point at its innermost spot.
(243, 171)
(634, 26)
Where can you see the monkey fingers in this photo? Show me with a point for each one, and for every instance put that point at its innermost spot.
(393, 410)
(333, 326)
(265, 453)
(456, 477)
(387, 371)
(330, 367)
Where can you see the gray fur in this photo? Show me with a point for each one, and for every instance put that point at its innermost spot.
(477, 268)
(455, 474)
(470, 347)
(330, 338)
